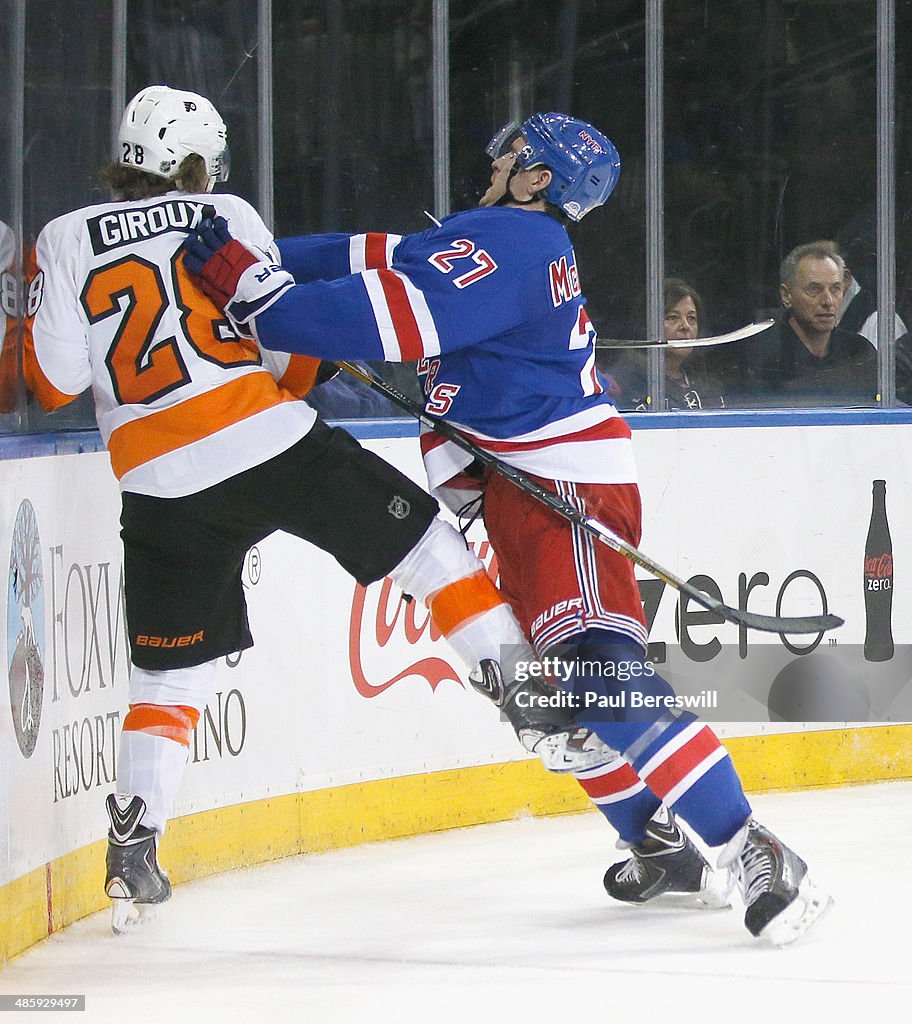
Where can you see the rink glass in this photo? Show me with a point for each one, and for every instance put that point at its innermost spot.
(744, 129)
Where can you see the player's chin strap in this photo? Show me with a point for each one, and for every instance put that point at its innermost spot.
(739, 616)
(508, 199)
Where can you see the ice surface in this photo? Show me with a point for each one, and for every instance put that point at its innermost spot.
(503, 923)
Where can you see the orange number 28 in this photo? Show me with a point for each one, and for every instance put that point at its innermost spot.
(144, 367)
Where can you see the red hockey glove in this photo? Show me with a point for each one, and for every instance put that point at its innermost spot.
(236, 279)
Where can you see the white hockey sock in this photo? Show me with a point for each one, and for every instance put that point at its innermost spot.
(151, 767)
(465, 605)
(493, 634)
(154, 744)
(439, 558)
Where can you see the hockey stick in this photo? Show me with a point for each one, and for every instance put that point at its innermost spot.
(741, 617)
(717, 339)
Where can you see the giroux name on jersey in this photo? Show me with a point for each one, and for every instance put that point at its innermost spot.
(123, 227)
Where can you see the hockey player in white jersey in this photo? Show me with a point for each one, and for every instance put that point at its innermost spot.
(214, 450)
(489, 304)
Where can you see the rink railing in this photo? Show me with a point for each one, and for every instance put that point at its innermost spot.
(347, 723)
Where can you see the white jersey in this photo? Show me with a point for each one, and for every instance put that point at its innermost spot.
(182, 401)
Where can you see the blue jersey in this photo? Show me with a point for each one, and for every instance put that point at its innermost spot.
(489, 307)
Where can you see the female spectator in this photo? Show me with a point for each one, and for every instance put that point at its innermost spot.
(687, 385)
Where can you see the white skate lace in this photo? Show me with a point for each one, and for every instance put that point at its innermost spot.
(631, 871)
(755, 874)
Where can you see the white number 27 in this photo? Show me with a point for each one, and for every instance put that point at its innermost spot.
(464, 248)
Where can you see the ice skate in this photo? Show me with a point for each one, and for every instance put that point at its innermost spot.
(134, 880)
(666, 862)
(546, 730)
(782, 903)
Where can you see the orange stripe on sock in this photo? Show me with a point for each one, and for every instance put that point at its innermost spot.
(172, 722)
(453, 605)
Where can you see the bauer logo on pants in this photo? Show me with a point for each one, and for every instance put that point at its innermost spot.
(25, 629)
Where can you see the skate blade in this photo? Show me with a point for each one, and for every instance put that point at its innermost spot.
(127, 916)
(717, 890)
(705, 899)
(560, 756)
(677, 901)
(715, 894)
(808, 907)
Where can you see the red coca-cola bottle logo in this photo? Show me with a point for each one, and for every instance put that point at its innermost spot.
(878, 566)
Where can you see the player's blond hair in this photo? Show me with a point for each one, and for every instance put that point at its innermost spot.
(129, 182)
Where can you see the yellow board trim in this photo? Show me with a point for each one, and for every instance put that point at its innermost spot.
(70, 887)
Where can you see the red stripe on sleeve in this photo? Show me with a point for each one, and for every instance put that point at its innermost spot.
(669, 773)
(404, 323)
(375, 250)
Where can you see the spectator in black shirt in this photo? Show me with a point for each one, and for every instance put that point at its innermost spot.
(805, 359)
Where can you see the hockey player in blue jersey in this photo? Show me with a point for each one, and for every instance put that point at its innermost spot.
(489, 306)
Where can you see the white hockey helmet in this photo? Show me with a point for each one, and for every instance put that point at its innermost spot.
(162, 126)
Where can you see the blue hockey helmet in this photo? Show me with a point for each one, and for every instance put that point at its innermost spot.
(584, 164)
